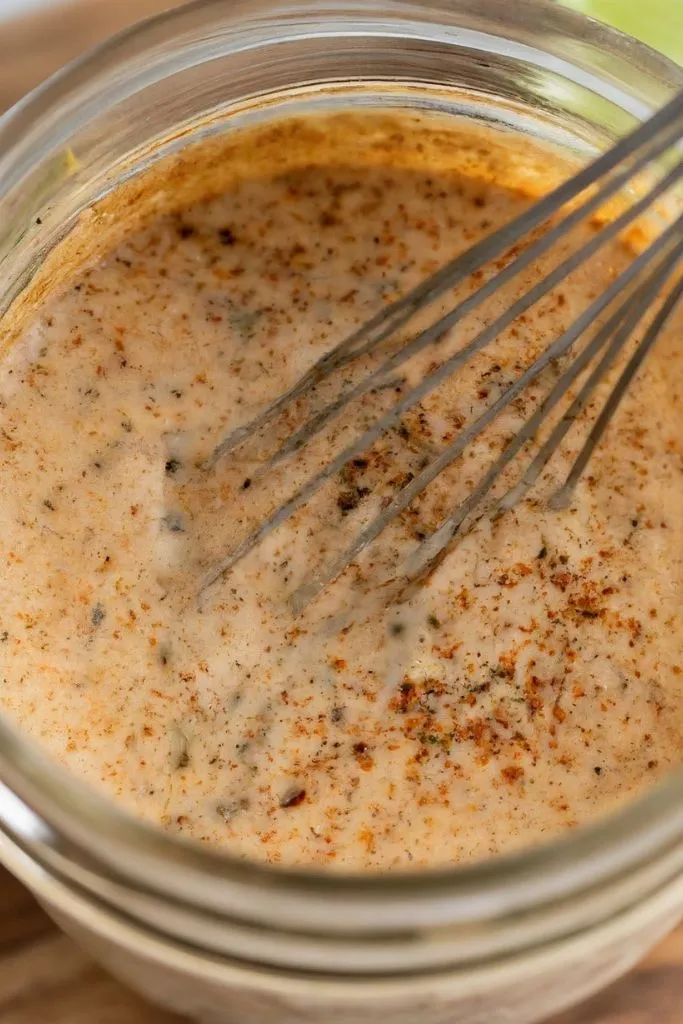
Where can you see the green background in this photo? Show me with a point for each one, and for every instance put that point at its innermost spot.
(657, 22)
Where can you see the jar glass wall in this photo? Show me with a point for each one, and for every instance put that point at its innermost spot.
(513, 939)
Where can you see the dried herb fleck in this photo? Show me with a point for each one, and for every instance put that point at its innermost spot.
(98, 615)
(245, 321)
(232, 808)
(351, 499)
(180, 748)
(173, 522)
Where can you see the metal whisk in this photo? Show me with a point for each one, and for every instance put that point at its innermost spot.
(650, 287)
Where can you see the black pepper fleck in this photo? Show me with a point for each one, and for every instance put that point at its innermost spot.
(228, 810)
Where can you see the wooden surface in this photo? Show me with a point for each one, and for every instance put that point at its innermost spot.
(43, 976)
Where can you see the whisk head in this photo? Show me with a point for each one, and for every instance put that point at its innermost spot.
(368, 386)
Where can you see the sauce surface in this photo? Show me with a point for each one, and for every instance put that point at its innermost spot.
(532, 684)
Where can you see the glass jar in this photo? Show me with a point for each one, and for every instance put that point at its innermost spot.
(227, 942)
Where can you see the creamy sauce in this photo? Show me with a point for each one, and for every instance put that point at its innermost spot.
(533, 684)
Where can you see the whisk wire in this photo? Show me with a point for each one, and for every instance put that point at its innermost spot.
(645, 144)
(630, 314)
(619, 327)
(640, 283)
(617, 395)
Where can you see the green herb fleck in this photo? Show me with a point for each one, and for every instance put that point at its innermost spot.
(245, 321)
(173, 522)
(232, 808)
(98, 615)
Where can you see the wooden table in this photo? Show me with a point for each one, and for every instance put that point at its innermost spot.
(43, 976)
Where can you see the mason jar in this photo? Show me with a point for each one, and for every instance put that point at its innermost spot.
(507, 941)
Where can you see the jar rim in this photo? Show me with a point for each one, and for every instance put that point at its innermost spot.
(54, 810)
